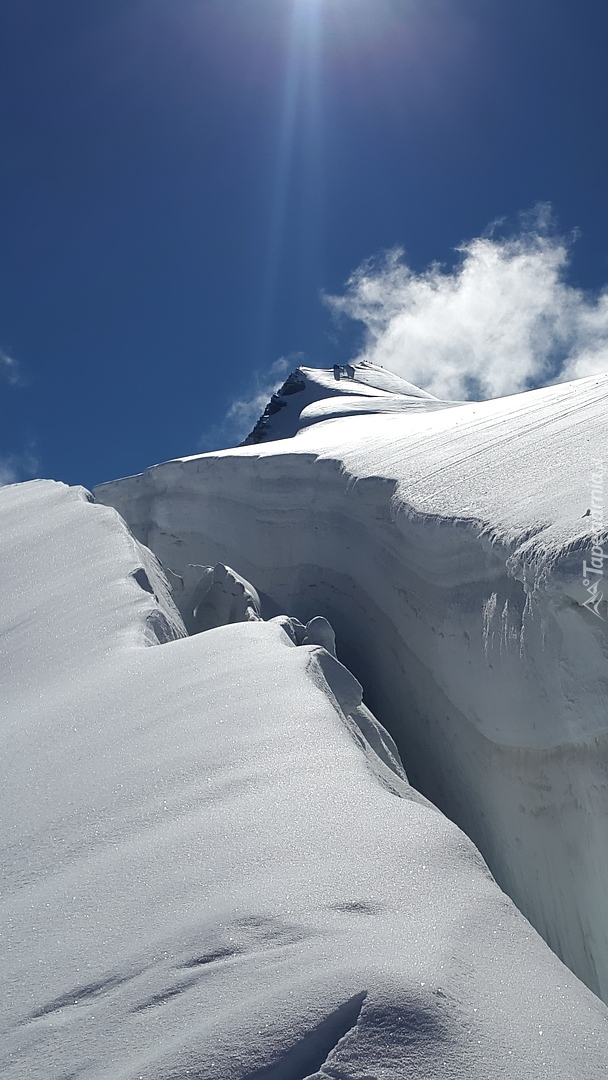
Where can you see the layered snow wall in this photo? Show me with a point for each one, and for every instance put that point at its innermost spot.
(208, 871)
(445, 543)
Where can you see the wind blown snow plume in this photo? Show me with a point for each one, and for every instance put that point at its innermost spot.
(503, 320)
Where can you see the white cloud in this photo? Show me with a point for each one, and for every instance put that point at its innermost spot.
(9, 368)
(503, 320)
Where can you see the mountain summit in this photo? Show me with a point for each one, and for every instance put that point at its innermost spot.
(310, 395)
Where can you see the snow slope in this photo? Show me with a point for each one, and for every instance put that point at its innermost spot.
(208, 873)
(446, 547)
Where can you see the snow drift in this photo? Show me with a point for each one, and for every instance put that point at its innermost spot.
(445, 543)
(213, 865)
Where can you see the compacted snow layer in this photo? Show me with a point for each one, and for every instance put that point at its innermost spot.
(446, 548)
(208, 873)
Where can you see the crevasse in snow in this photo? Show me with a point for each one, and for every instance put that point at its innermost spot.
(445, 544)
(213, 866)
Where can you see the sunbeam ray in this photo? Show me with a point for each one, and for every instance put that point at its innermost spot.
(299, 142)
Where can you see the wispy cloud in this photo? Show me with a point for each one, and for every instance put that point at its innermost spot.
(18, 466)
(9, 368)
(503, 320)
(8, 473)
(15, 466)
(243, 413)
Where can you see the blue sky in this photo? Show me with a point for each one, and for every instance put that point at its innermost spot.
(183, 181)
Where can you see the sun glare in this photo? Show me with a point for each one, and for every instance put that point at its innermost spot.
(327, 40)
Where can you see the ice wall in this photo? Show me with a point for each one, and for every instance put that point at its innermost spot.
(446, 550)
(212, 866)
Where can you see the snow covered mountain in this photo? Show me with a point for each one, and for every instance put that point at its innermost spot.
(313, 394)
(214, 863)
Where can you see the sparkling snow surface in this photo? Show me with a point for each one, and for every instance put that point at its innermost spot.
(207, 871)
(446, 546)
